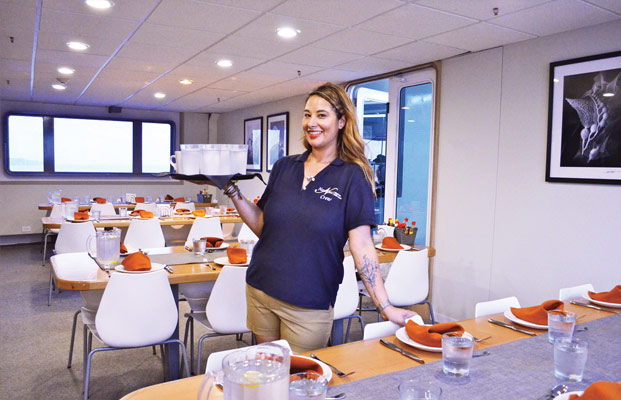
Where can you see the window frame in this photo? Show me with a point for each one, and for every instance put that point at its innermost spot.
(48, 147)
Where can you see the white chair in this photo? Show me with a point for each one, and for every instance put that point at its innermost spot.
(376, 330)
(574, 292)
(58, 210)
(245, 233)
(105, 209)
(146, 206)
(225, 313)
(188, 206)
(495, 306)
(407, 282)
(143, 234)
(136, 310)
(204, 226)
(214, 361)
(346, 301)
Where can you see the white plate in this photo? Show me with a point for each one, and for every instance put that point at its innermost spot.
(154, 267)
(79, 220)
(225, 261)
(565, 396)
(327, 371)
(602, 303)
(402, 335)
(224, 245)
(405, 247)
(509, 315)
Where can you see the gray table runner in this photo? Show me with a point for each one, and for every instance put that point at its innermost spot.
(186, 258)
(523, 369)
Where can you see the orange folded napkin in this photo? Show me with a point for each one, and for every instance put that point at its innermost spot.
(230, 210)
(137, 262)
(431, 335)
(236, 255)
(199, 213)
(600, 391)
(614, 296)
(80, 215)
(99, 200)
(65, 200)
(179, 199)
(168, 198)
(139, 199)
(391, 243)
(301, 364)
(538, 314)
(182, 210)
(145, 214)
(135, 212)
(123, 249)
(213, 241)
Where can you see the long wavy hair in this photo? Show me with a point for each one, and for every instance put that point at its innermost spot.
(350, 146)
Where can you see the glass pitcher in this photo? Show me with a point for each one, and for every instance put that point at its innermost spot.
(107, 247)
(256, 373)
(55, 196)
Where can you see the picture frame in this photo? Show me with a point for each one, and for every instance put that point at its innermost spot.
(253, 137)
(584, 120)
(277, 138)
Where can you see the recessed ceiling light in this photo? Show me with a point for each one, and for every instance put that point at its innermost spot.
(59, 86)
(608, 94)
(555, 80)
(77, 45)
(66, 70)
(186, 81)
(287, 32)
(224, 63)
(99, 4)
(159, 95)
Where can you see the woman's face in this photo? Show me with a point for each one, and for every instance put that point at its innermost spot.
(320, 123)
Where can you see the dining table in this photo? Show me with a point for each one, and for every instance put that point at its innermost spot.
(131, 206)
(517, 366)
(123, 222)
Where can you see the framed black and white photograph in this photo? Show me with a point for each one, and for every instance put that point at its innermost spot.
(253, 137)
(277, 144)
(584, 122)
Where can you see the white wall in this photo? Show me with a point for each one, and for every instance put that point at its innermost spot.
(502, 230)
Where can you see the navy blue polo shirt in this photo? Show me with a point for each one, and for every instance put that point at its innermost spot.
(299, 258)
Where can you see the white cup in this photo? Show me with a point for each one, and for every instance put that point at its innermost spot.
(177, 163)
(190, 161)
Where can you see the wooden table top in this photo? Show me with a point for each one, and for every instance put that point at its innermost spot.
(48, 206)
(369, 358)
(56, 222)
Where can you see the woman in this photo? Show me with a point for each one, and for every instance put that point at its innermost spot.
(313, 203)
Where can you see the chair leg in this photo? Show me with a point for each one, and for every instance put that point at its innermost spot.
(154, 352)
(239, 336)
(189, 329)
(433, 320)
(44, 247)
(49, 295)
(75, 322)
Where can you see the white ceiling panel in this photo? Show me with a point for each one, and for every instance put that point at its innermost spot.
(208, 61)
(374, 65)
(201, 98)
(58, 42)
(133, 10)
(14, 69)
(71, 58)
(20, 48)
(109, 92)
(610, 5)
(360, 42)
(246, 81)
(134, 64)
(17, 89)
(263, 5)
(480, 9)
(170, 36)
(314, 56)
(283, 69)
(420, 52)
(261, 49)
(17, 15)
(479, 36)
(336, 75)
(265, 28)
(156, 53)
(55, 21)
(554, 17)
(336, 12)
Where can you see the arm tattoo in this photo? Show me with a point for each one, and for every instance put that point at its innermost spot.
(368, 271)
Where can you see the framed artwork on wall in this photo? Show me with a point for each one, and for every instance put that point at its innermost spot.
(584, 122)
(277, 138)
(253, 137)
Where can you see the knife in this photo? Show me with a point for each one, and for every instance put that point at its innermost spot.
(499, 323)
(400, 350)
(592, 306)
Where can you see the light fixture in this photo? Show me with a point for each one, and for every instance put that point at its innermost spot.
(77, 46)
(608, 94)
(405, 108)
(186, 81)
(555, 80)
(59, 86)
(99, 4)
(159, 95)
(66, 70)
(287, 32)
(224, 63)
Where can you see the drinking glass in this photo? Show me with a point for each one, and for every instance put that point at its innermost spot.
(570, 355)
(123, 212)
(414, 389)
(148, 199)
(456, 353)
(248, 245)
(96, 215)
(560, 324)
(307, 386)
(199, 246)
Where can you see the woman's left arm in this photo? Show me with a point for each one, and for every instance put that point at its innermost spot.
(367, 264)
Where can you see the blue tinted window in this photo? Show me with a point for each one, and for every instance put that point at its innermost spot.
(25, 143)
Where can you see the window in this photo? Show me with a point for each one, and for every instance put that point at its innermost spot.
(47, 145)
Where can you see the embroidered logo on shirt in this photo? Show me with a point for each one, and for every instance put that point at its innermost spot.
(328, 194)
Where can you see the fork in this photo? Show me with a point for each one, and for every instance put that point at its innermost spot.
(476, 339)
(338, 372)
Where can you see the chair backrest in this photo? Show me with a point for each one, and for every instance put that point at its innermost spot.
(190, 206)
(245, 233)
(574, 292)
(226, 308)
(144, 233)
(376, 330)
(347, 295)
(204, 227)
(214, 361)
(72, 237)
(58, 210)
(495, 306)
(137, 310)
(104, 209)
(146, 206)
(407, 282)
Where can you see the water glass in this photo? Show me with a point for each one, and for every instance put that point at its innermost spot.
(199, 246)
(123, 212)
(414, 389)
(70, 208)
(307, 385)
(96, 215)
(148, 199)
(248, 245)
(570, 355)
(456, 353)
(560, 324)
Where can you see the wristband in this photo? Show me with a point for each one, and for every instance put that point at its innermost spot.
(383, 305)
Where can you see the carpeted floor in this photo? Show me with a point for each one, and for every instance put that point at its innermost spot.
(34, 339)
